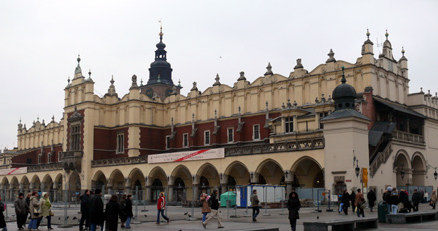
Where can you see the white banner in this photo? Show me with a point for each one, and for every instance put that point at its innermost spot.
(203, 154)
(13, 171)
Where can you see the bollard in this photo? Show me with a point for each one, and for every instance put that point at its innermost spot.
(329, 200)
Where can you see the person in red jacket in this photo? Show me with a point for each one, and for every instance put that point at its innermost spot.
(161, 206)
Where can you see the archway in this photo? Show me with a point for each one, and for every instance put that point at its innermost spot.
(15, 187)
(47, 185)
(208, 179)
(57, 188)
(35, 184)
(237, 174)
(269, 172)
(158, 182)
(137, 182)
(25, 185)
(74, 187)
(402, 168)
(308, 173)
(182, 181)
(99, 181)
(418, 170)
(5, 193)
(117, 182)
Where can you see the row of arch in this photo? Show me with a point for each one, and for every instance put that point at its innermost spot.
(410, 170)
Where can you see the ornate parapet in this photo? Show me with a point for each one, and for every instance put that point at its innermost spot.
(119, 161)
(45, 167)
(71, 160)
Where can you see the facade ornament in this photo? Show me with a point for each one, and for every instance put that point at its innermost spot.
(269, 70)
(295, 103)
(194, 88)
(331, 56)
(216, 126)
(53, 118)
(267, 114)
(242, 76)
(78, 70)
(89, 76)
(289, 105)
(172, 129)
(134, 82)
(322, 98)
(112, 88)
(194, 130)
(217, 83)
(299, 65)
(240, 123)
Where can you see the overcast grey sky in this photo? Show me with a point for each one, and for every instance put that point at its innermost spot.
(40, 40)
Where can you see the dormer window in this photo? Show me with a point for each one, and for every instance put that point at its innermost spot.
(288, 124)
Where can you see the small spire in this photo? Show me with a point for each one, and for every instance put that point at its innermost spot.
(242, 76)
(403, 51)
(68, 80)
(112, 80)
(217, 83)
(343, 76)
(141, 82)
(53, 118)
(368, 34)
(134, 82)
(194, 88)
(89, 73)
(161, 30)
(386, 34)
(78, 70)
(179, 82)
(421, 89)
(269, 69)
(79, 59)
(331, 56)
(299, 65)
(112, 88)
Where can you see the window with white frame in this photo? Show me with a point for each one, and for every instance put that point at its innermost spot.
(120, 143)
(49, 157)
(167, 142)
(185, 140)
(256, 132)
(289, 124)
(207, 137)
(230, 135)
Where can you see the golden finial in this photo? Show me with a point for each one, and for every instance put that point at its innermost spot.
(161, 28)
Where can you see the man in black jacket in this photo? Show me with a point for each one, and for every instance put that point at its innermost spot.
(353, 200)
(371, 196)
(416, 198)
(85, 200)
(214, 204)
(96, 211)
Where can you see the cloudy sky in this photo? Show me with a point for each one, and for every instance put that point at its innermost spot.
(40, 41)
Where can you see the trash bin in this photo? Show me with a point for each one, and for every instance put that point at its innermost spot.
(382, 211)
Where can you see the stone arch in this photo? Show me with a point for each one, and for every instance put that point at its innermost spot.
(157, 182)
(116, 181)
(5, 190)
(47, 184)
(137, 180)
(35, 184)
(237, 173)
(308, 173)
(99, 181)
(402, 167)
(418, 164)
(15, 187)
(25, 185)
(57, 188)
(74, 187)
(181, 180)
(208, 179)
(269, 172)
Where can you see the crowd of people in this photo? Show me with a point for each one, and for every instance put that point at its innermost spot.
(357, 202)
(398, 201)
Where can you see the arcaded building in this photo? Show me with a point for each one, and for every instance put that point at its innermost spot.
(339, 126)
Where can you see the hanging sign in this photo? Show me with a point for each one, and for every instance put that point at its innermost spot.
(13, 171)
(203, 154)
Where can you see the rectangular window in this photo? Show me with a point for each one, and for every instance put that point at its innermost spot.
(321, 116)
(49, 157)
(75, 137)
(167, 142)
(230, 135)
(185, 140)
(256, 132)
(206, 137)
(39, 158)
(120, 143)
(59, 156)
(289, 124)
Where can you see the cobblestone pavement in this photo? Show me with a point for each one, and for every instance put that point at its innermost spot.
(274, 218)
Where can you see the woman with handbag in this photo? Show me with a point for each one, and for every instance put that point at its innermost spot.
(46, 211)
(34, 207)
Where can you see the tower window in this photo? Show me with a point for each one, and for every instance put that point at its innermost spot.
(207, 137)
(75, 137)
(256, 132)
(185, 140)
(289, 124)
(230, 135)
(120, 143)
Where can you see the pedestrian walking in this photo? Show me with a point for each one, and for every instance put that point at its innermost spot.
(293, 205)
(416, 199)
(112, 212)
(2, 216)
(215, 214)
(393, 201)
(205, 207)
(85, 200)
(161, 206)
(123, 217)
(433, 200)
(353, 200)
(21, 209)
(346, 202)
(128, 211)
(371, 197)
(359, 203)
(35, 210)
(255, 205)
(386, 197)
(97, 216)
(46, 210)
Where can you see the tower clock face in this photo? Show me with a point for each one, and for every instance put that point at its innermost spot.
(150, 92)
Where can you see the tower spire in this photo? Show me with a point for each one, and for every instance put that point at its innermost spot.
(78, 70)
(343, 80)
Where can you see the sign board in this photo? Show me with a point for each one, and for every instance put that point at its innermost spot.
(365, 177)
(13, 171)
(347, 180)
(203, 154)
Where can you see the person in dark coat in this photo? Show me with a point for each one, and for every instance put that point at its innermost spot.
(293, 205)
(353, 200)
(2, 217)
(371, 197)
(214, 204)
(416, 199)
(123, 217)
(112, 213)
(85, 200)
(128, 211)
(97, 217)
(393, 201)
(404, 199)
(346, 201)
(21, 210)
